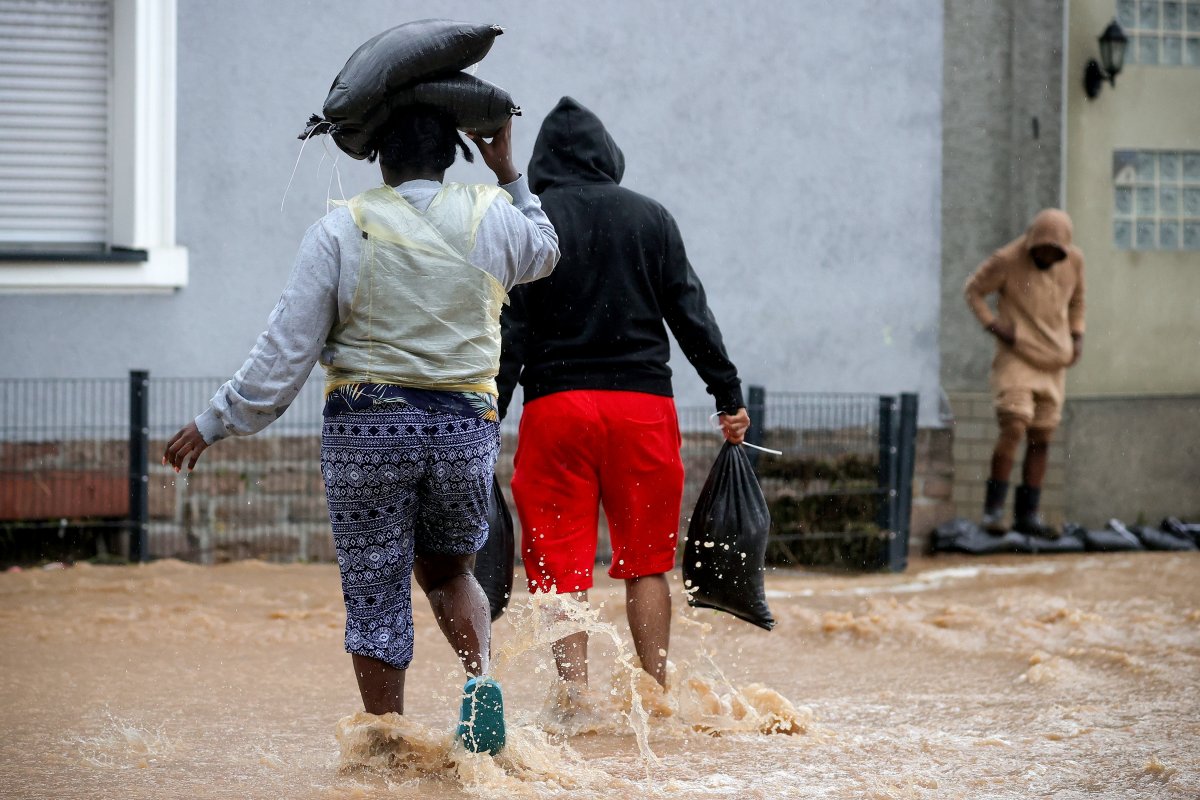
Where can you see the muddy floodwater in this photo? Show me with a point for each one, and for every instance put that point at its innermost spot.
(1065, 677)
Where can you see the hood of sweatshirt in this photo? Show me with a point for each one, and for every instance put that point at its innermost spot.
(1050, 227)
(573, 148)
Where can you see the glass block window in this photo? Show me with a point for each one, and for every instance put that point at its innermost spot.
(1161, 32)
(1156, 202)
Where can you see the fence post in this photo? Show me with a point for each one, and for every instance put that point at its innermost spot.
(906, 457)
(888, 463)
(756, 407)
(139, 463)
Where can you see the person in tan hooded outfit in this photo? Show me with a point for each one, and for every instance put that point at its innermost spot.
(1038, 326)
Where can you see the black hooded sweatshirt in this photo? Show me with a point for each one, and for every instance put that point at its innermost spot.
(597, 321)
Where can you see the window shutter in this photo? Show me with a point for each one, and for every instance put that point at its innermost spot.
(54, 77)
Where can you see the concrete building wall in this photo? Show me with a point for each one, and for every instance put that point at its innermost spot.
(1002, 152)
(1134, 458)
(1002, 163)
(798, 144)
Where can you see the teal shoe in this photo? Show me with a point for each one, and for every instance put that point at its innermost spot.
(481, 721)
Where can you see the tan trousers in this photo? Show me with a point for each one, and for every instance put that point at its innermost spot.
(1027, 392)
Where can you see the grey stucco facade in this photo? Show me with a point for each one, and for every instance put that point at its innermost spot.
(798, 145)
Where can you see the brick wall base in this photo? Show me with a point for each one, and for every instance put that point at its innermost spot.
(974, 437)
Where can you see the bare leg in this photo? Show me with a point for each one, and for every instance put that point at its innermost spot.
(1012, 431)
(1037, 455)
(570, 652)
(460, 607)
(381, 685)
(648, 607)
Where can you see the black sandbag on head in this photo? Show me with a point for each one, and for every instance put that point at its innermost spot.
(476, 106)
(724, 558)
(494, 563)
(400, 56)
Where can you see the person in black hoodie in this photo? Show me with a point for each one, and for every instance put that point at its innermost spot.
(590, 348)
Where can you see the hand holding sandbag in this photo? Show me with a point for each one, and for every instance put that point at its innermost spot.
(725, 555)
(497, 153)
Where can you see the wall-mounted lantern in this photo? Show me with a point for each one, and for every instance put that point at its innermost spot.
(1112, 58)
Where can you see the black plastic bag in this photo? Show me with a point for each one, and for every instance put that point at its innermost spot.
(1067, 543)
(1155, 539)
(946, 536)
(476, 106)
(964, 536)
(494, 563)
(724, 558)
(1186, 530)
(1109, 540)
(400, 56)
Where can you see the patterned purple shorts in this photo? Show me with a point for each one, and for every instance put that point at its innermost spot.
(401, 481)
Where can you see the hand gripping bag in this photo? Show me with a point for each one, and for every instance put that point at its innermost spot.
(494, 563)
(476, 105)
(724, 558)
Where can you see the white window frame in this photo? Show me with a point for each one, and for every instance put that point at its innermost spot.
(1138, 32)
(142, 167)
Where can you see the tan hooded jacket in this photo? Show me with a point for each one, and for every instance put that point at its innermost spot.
(1044, 307)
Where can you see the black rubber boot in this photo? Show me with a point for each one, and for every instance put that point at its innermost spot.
(1026, 518)
(993, 507)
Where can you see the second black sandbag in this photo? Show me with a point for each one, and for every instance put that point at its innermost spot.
(494, 563)
(724, 558)
(476, 105)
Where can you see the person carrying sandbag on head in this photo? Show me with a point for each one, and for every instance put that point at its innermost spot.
(398, 294)
(589, 346)
(1038, 326)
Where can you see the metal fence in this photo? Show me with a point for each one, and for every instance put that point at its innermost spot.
(80, 472)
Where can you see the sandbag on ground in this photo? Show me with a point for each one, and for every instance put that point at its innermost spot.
(964, 536)
(401, 56)
(1045, 545)
(1187, 530)
(476, 105)
(724, 558)
(494, 563)
(1109, 540)
(1155, 539)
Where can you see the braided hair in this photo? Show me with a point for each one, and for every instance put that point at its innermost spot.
(419, 138)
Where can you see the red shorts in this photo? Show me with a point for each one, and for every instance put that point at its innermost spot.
(578, 449)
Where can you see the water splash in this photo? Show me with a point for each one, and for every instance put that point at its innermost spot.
(123, 744)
